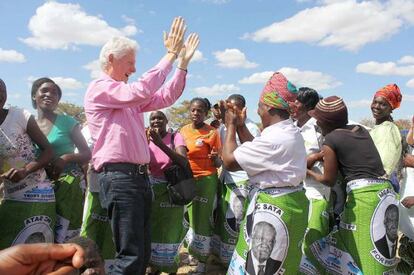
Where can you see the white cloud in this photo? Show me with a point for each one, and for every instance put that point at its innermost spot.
(410, 83)
(198, 56)
(94, 68)
(316, 80)
(363, 103)
(257, 78)
(386, 68)
(11, 56)
(233, 58)
(67, 83)
(347, 24)
(216, 89)
(407, 59)
(63, 26)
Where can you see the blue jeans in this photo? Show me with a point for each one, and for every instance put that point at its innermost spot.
(126, 194)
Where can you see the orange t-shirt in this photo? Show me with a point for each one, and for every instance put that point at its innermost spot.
(200, 143)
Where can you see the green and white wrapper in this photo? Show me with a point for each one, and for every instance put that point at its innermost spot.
(360, 244)
(95, 224)
(318, 227)
(285, 212)
(167, 230)
(200, 218)
(28, 214)
(26, 222)
(69, 206)
(231, 208)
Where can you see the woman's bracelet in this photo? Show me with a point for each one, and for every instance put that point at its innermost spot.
(174, 53)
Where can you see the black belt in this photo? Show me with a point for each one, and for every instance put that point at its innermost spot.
(125, 167)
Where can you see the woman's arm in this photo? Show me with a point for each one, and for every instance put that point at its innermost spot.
(230, 144)
(330, 171)
(81, 158)
(178, 156)
(46, 154)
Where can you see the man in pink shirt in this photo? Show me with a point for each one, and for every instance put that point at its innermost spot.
(114, 111)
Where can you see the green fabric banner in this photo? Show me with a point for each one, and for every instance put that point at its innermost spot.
(318, 227)
(272, 232)
(200, 218)
(231, 209)
(95, 223)
(365, 242)
(167, 230)
(69, 207)
(26, 222)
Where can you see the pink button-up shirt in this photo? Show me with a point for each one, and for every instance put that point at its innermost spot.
(114, 111)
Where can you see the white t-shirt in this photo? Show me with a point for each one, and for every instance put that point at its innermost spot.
(16, 151)
(313, 141)
(277, 158)
(238, 176)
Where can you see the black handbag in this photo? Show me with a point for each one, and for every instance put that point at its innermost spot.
(181, 184)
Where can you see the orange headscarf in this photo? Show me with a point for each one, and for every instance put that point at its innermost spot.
(392, 95)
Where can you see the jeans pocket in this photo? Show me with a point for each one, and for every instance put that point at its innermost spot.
(104, 180)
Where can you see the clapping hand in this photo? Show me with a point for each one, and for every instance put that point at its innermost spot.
(188, 50)
(155, 136)
(174, 41)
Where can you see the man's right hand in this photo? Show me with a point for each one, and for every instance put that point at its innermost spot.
(174, 41)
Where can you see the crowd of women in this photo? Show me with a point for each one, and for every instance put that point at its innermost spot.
(308, 193)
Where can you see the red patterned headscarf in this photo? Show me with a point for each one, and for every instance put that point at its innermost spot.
(278, 92)
(392, 95)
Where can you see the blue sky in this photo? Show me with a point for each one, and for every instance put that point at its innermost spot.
(348, 48)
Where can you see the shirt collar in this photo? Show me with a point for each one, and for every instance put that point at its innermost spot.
(281, 124)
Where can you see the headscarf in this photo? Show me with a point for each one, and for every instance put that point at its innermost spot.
(331, 111)
(391, 93)
(278, 92)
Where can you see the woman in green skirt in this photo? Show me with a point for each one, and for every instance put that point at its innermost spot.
(365, 241)
(317, 193)
(272, 232)
(27, 200)
(64, 134)
(203, 145)
(167, 230)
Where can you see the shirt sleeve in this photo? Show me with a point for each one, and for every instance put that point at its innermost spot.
(179, 140)
(216, 142)
(24, 116)
(167, 94)
(330, 141)
(69, 122)
(388, 142)
(248, 154)
(117, 94)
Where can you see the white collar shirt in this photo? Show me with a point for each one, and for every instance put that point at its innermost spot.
(313, 142)
(277, 158)
(237, 176)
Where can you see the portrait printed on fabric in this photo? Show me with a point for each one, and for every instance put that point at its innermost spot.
(37, 230)
(235, 211)
(384, 229)
(268, 240)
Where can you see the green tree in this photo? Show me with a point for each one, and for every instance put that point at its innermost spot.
(179, 115)
(73, 110)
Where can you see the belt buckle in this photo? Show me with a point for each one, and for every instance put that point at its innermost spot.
(142, 168)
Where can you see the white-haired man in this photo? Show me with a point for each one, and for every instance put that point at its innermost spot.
(114, 110)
